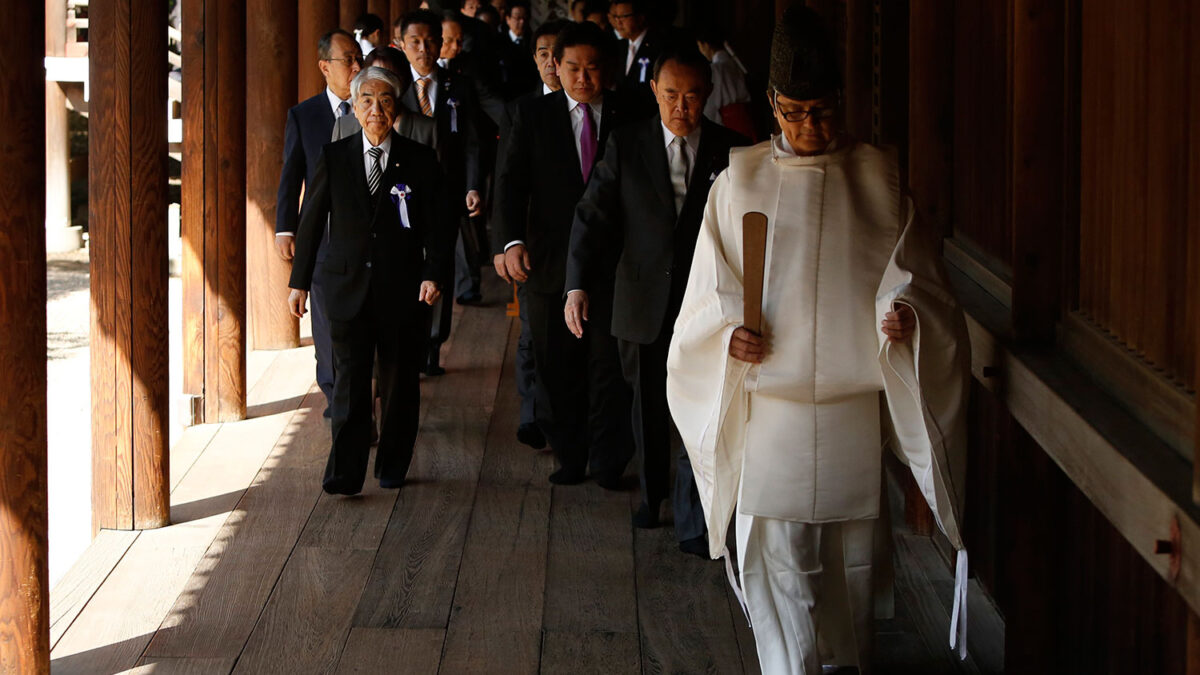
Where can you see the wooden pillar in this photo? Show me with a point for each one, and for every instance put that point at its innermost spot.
(1038, 69)
(270, 51)
(128, 239)
(60, 234)
(930, 142)
(24, 576)
(314, 19)
(349, 11)
(399, 9)
(1193, 644)
(382, 9)
(1194, 228)
(931, 109)
(859, 71)
(214, 207)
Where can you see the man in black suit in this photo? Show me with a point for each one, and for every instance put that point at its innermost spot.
(381, 195)
(647, 198)
(636, 53)
(528, 431)
(309, 125)
(514, 53)
(450, 99)
(582, 401)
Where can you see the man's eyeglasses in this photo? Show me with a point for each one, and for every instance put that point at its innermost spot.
(817, 113)
(613, 15)
(347, 61)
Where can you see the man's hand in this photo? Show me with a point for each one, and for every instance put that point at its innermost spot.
(747, 346)
(429, 292)
(474, 203)
(516, 259)
(501, 268)
(576, 312)
(900, 323)
(286, 246)
(296, 301)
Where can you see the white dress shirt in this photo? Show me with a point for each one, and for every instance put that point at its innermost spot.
(386, 146)
(431, 90)
(546, 90)
(634, 46)
(334, 102)
(693, 142)
(576, 113)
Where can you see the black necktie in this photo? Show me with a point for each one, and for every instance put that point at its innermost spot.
(343, 109)
(376, 171)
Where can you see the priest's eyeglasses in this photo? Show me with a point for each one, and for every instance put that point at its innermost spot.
(817, 113)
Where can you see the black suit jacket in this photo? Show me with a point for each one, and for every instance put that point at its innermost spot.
(630, 204)
(368, 244)
(309, 125)
(539, 181)
(637, 92)
(456, 137)
(515, 68)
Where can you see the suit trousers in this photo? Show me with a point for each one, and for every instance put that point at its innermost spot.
(322, 344)
(376, 330)
(438, 321)
(645, 369)
(582, 401)
(808, 591)
(524, 362)
(468, 255)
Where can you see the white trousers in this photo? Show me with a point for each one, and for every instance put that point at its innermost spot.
(808, 590)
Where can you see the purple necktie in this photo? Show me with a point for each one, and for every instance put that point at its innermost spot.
(587, 142)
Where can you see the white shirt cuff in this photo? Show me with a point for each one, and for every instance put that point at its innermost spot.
(575, 290)
(513, 243)
(285, 234)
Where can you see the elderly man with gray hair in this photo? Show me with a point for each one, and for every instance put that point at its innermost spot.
(383, 198)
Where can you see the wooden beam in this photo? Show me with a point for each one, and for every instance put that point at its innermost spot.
(24, 574)
(382, 9)
(859, 52)
(1193, 224)
(1038, 90)
(349, 11)
(314, 19)
(128, 239)
(269, 52)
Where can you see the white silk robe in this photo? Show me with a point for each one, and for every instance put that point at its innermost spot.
(802, 431)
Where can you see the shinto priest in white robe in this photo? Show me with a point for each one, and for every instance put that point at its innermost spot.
(798, 437)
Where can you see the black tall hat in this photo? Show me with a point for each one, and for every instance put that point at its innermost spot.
(803, 63)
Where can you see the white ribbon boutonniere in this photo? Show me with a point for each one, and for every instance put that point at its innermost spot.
(644, 62)
(453, 103)
(400, 195)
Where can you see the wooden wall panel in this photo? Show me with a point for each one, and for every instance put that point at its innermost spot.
(382, 9)
(315, 18)
(931, 110)
(24, 576)
(270, 25)
(982, 129)
(128, 212)
(348, 13)
(1135, 181)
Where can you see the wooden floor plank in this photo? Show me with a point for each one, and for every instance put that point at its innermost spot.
(930, 620)
(117, 624)
(307, 620)
(741, 628)
(685, 623)
(507, 461)
(589, 566)
(498, 599)
(190, 445)
(590, 653)
(384, 651)
(80, 583)
(164, 665)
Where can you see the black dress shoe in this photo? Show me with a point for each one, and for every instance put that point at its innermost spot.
(611, 483)
(336, 487)
(646, 518)
(469, 298)
(565, 476)
(697, 546)
(391, 483)
(433, 366)
(531, 435)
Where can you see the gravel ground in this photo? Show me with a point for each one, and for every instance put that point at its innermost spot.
(69, 403)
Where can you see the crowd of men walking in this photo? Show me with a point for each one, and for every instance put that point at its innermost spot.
(602, 171)
(518, 119)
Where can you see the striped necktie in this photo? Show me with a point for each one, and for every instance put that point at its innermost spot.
(376, 171)
(423, 96)
(679, 171)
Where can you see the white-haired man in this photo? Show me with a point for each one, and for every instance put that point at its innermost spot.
(383, 198)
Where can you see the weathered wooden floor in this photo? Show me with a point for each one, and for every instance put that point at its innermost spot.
(479, 565)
